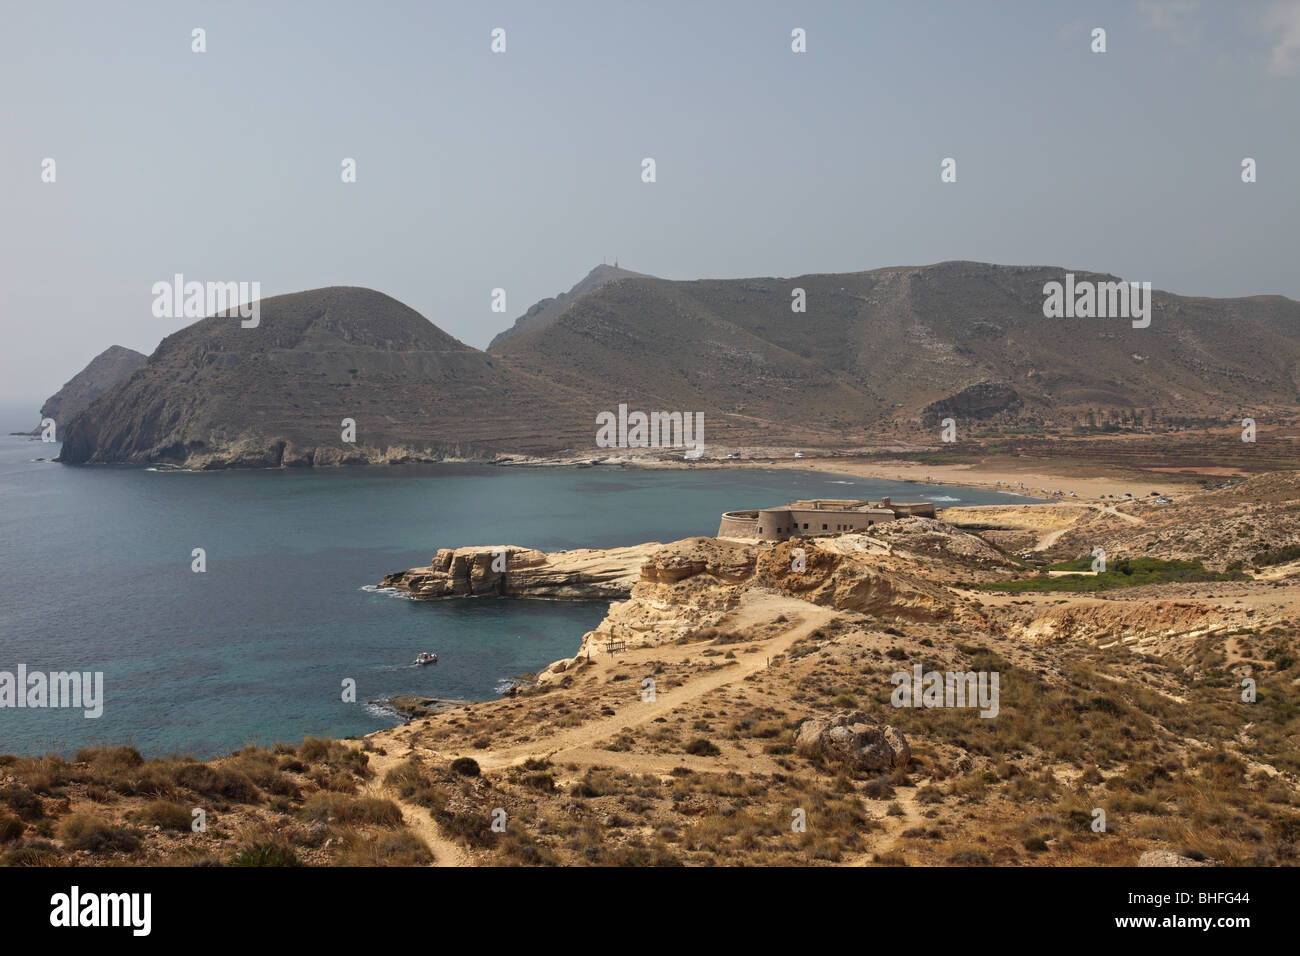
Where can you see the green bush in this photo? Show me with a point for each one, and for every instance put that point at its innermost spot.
(1290, 552)
(465, 766)
(700, 747)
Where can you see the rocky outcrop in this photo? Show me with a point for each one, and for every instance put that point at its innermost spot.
(105, 370)
(804, 569)
(931, 537)
(512, 571)
(1143, 623)
(677, 589)
(417, 705)
(982, 401)
(851, 738)
(724, 562)
(1169, 858)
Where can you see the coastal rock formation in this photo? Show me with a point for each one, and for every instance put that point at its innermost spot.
(417, 705)
(723, 562)
(105, 370)
(512, 571)
(852, 738)
(682, 589)
(690, 587)
(661, 594)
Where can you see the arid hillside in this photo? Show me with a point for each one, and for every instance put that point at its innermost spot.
(218, 395)
(876, 356)
(965, 339)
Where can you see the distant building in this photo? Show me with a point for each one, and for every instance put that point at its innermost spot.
(817, 516)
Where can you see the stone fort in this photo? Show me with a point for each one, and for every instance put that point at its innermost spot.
(817, 516)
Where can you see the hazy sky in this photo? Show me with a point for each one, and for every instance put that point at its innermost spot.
(521, 170)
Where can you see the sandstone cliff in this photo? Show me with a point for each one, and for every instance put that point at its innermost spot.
(512, 571)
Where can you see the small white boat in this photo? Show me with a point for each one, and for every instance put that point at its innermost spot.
(426, 658)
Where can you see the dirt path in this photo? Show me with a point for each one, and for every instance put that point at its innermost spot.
(417, 818)
(760, 608)
(1111, 510)
(1049, 538)
(895, 827)
(579, 744)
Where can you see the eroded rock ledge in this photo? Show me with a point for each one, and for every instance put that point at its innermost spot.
(701, 572)
(512, 571)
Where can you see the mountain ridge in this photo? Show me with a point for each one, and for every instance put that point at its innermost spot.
(543, 312)
(891, 348)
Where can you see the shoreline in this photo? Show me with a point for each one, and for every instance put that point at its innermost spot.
(1033, 482)
(1039, 478)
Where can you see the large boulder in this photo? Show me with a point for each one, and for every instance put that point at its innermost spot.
(1169, 858)
(852, 738)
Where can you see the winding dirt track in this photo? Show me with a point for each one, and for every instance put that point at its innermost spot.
(579, 744)
(417, 818)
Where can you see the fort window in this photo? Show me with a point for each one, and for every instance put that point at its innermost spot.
(824, 528)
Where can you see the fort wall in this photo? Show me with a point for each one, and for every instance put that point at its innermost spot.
(816, 517)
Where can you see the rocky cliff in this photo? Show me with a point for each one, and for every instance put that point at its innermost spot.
(512, 571)
(105, 370)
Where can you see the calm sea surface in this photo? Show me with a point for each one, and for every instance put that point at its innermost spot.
(95, 576)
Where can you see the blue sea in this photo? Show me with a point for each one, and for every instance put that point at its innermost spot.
(95, 575)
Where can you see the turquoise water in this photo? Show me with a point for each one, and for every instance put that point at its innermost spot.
(95, 575)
